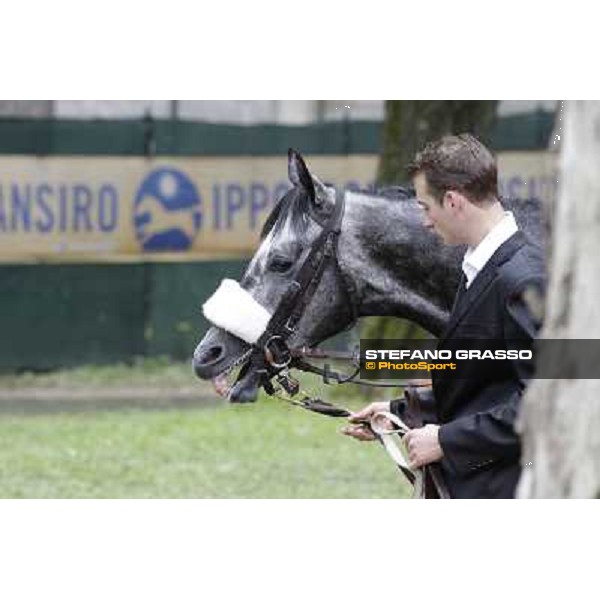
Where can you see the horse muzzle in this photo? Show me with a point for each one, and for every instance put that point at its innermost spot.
(218, 353)
(216, 357)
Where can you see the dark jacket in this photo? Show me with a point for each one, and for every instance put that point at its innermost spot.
(477, 413)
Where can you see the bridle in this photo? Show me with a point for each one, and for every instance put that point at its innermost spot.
(270, 354)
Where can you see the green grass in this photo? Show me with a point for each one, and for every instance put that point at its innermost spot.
(159, 371)
(83, 449)
(265, 450)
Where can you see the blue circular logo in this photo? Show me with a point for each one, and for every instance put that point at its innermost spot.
(167, 211)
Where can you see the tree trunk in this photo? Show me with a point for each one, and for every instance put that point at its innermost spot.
(560, 418)
(409, 124)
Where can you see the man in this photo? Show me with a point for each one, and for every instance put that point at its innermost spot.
(470, 422)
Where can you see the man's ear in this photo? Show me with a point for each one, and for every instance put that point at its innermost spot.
(453, 200)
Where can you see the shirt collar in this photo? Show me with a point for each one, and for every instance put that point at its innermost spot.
(476, 258)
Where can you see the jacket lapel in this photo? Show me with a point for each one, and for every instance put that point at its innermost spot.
(465, 299)
(460, 292)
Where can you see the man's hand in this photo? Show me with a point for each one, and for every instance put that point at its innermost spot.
(360, 430)
(423, 446)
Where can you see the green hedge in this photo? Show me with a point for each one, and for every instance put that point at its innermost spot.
(180, 138)
(65, 315)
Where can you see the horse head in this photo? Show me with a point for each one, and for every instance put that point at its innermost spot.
(382, 261)
(287, 244)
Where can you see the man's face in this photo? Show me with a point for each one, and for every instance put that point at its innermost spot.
(438, 217)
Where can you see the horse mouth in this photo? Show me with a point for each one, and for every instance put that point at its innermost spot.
(229, 383)
(225, 360)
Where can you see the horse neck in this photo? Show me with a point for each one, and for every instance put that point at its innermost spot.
(397, 266)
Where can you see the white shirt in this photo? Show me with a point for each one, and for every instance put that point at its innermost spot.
(476, 258)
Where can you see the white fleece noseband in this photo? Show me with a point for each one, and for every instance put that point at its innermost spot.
(233, 308)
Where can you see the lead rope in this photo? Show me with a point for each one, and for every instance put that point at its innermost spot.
(397, 451)
(387, 437)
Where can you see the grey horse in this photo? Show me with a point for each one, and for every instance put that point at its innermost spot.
(394, 265)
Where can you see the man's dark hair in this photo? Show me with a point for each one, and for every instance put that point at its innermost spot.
(458, 162)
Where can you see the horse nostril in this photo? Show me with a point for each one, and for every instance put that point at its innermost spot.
(209, 356)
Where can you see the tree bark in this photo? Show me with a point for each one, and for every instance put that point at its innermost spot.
(560, 418)
(410, 124)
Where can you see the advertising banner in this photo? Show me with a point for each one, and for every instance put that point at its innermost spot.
(66, 209)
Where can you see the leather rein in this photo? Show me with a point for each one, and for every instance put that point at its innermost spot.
(271, 357)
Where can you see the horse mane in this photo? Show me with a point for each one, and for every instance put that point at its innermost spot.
(296, 201)
(394, 192)
(399, 192)
(388, 192)
(271, 220)
(530, 206)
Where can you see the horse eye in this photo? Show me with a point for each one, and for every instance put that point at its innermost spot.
(279, 264)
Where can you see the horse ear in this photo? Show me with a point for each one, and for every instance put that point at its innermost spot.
(298, 172)
(323, 195)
